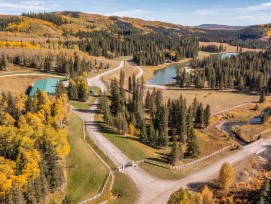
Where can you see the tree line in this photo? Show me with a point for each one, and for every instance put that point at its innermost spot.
(72, 66)
(147, 49)
(154, 122)
(51, 17)
(212, 48)
(248, 37)
(249, 71)
(33, 144)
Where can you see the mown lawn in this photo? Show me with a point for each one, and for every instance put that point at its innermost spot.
(126, 188)
(85, 172)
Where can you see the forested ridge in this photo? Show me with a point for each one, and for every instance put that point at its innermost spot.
(147, 49)
(33, 146)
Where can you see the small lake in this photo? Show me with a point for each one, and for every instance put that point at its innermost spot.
(164, 76)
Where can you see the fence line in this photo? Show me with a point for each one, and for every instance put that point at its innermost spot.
(182, 166)
(201, 159)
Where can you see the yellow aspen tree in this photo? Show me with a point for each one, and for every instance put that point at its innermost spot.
(226, 176)
(207, 196)
(131, 129)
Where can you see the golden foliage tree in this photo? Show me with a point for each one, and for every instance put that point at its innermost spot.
(226, 176)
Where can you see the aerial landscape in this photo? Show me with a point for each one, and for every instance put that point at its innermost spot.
(133, 102)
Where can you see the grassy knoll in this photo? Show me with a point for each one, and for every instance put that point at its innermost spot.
(126, 188)
(85, 172)
(218, 100)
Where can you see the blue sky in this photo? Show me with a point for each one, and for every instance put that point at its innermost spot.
(184, 12)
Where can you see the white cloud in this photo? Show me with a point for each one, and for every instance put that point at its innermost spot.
(6, 6)
(234, 11)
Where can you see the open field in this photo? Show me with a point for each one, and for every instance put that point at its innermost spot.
(124, 58)
(85, 172)
(203, 54)
(18, 84)
(229, 48)
(218, 100)
(126, 188)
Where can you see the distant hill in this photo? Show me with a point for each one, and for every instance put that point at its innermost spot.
(69, 23)
(220, 27)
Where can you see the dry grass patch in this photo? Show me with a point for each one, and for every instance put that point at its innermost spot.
(246, 112)
(218, 100)
(18, 84)
(229, 48)
(129, 70)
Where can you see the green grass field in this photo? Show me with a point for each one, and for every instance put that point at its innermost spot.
(86, 105)
(127, 146)
(126, 188)
(85, 172)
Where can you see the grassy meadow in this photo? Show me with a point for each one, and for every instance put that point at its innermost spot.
(85, 172)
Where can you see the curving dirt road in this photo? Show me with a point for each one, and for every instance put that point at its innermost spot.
(154, 190)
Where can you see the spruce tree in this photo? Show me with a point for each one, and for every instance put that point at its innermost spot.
(192, 145)
(199, 119)
(29, 105)
(60, 89)
(207, 116)
(72, 91)
(176, 153)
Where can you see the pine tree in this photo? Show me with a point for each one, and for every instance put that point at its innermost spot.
(72, 91)
(192, 145)
(147, 100)
(176, 153)
(199, 119)
(60, 89)
(29, 106)
(189, 120)
(143, 133)
(207, 116)
(195, 105)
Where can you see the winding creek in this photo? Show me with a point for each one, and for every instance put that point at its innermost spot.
(228, 125)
